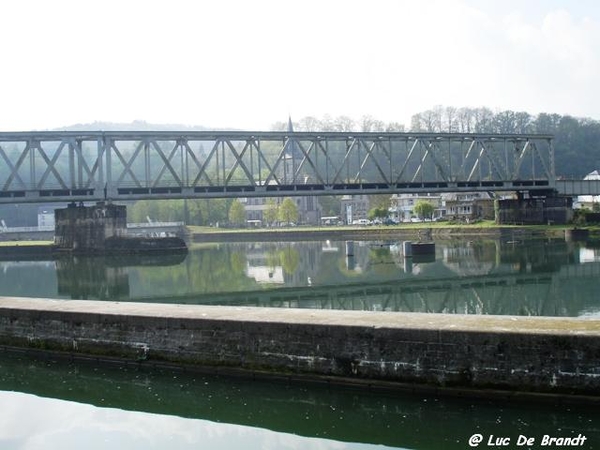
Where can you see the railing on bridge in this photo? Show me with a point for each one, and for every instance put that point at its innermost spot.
(80, 166)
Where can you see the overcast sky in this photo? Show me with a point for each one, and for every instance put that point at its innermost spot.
(249, 63)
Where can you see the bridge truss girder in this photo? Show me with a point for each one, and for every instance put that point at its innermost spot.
(89, 166)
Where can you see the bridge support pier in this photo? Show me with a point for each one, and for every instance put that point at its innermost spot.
(537, 210)
(86, 228)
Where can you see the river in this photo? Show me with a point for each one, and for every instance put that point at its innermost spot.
(48, 404)
(539, 277)
(57, 404)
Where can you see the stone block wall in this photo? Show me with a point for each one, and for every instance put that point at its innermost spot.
(557, 210)
(79, 227)
(337, 346)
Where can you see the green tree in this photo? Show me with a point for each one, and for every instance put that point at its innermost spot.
(156, 211)
(237, 213)
(288, 211)
(424, 209)
(377, 213)
(271, 212)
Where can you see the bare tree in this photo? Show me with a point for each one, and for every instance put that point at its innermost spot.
(483, 118)
(344, 123)
(309, 123)
(504, 122)
(369, 123)
(451, 117)
(465, 120)
(523, 122)
(279, 126)
(394, 126)
(416, 122)
(431, 120)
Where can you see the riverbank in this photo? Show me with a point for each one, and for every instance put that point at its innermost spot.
(477, 355)
(422, 231)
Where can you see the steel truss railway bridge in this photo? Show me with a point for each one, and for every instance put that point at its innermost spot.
(93, 166)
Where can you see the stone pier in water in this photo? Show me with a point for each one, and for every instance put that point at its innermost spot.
(102, 229)
(87, 228)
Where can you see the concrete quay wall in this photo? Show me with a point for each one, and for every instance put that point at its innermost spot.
(507, 353)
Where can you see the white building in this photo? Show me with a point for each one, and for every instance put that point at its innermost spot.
(46, 217)
(309, 209)
(469, 205)
(354, 207)
(402, 205)
(588, 201)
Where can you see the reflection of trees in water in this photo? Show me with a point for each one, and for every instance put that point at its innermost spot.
(382, 263)
(300, 262)
(290, 259)
(105, 277)
(477, 277)
(238, 262)
(212, 269)
(540, 277)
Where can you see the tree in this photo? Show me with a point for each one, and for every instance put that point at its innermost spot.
(369, 123)
(271, 211)
(288, 211)
(310, 123)
(394, 126)
(377, 213)
(237, 213)
(380, 205)
(343, 123)
(424, 209)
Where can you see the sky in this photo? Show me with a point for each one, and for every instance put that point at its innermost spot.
(248, 64)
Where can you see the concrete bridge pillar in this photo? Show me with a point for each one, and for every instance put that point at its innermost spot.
(86, 228)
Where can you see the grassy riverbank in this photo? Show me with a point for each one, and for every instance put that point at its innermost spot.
(24, 243)
(199, 234)
(435, 229)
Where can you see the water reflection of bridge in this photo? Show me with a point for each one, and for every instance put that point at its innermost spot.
(550, 278)
(537, 294)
